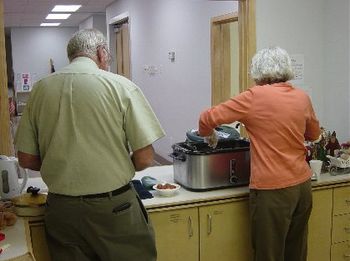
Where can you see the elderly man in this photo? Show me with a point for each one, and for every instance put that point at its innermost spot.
(87, 131)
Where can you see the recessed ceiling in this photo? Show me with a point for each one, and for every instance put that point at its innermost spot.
(31, 13)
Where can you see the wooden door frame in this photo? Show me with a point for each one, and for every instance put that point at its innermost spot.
(247, 46)
(247, 43)
(247, 40)
(5, 137)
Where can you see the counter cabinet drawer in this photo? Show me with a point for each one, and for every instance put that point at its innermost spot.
(341, 251)
(341, 228)
(341, 199)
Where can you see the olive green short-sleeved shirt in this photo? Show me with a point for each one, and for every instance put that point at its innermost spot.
(82, 121)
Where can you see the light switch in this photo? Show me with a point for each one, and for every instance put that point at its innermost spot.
(171, 56)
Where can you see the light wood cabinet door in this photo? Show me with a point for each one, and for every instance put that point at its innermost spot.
(225, 232)
(40, 248)
(341, 251)
(320, 226)
(341, 200)
(341, 228)
(176, 234)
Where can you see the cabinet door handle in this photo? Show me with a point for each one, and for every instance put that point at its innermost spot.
(209, 224)
(190, 228)
(347, 229)
(347, 201)
(346, 255)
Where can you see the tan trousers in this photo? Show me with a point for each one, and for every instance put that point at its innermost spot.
(279, 222)
(114, 228)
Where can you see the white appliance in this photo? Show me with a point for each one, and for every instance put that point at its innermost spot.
(9, 177)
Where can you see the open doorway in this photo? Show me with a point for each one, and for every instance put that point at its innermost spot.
(122, 42)
(119, 42)
(224, 57)
(233, 45)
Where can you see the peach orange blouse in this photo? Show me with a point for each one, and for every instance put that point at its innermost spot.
(278, 118)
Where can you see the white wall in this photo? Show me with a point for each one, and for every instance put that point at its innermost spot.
(319, 30)
(87, 23)
(95, 21)
(32, 49)
(180, 90)
(336, 77)
(100, 23)
(299, 30)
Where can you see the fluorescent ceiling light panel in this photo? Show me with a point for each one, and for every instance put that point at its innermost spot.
(57, 16)
(50, 24)
(65, 8)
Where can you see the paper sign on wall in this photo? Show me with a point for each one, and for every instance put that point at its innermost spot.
(298, 67)
(23, 82)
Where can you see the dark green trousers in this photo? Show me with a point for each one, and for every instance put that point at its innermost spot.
(279, 222)
(114, 228)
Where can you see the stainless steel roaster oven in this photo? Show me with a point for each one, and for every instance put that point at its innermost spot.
(198, 167)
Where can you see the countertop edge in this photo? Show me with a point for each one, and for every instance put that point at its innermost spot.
(186, 197)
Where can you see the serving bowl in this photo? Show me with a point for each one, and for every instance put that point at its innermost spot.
(166, 189)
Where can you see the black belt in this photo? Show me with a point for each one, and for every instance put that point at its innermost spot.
(116, 192)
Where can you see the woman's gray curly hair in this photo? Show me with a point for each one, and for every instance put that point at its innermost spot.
(85, 43)
(271, 65)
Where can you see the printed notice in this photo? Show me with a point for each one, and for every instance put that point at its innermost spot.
(298, 68)
(23, 82)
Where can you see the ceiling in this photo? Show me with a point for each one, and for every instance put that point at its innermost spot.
(31, 13)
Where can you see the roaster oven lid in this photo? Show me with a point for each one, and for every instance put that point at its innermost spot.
(200, 148)
(225, 133)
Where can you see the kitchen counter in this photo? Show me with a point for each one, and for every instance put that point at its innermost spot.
(20, 244)
(19, 249)
(184, 196)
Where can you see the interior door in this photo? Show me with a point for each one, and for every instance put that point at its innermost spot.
(225, 57)
(223, 47)
(122, 50)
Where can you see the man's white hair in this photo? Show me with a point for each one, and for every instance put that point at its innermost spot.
(85, 43)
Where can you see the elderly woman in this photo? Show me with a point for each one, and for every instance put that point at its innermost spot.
(278, 118)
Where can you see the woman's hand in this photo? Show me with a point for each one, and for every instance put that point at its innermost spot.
(212, 140)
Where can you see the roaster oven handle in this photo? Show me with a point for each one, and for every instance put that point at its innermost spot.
(178, 156)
